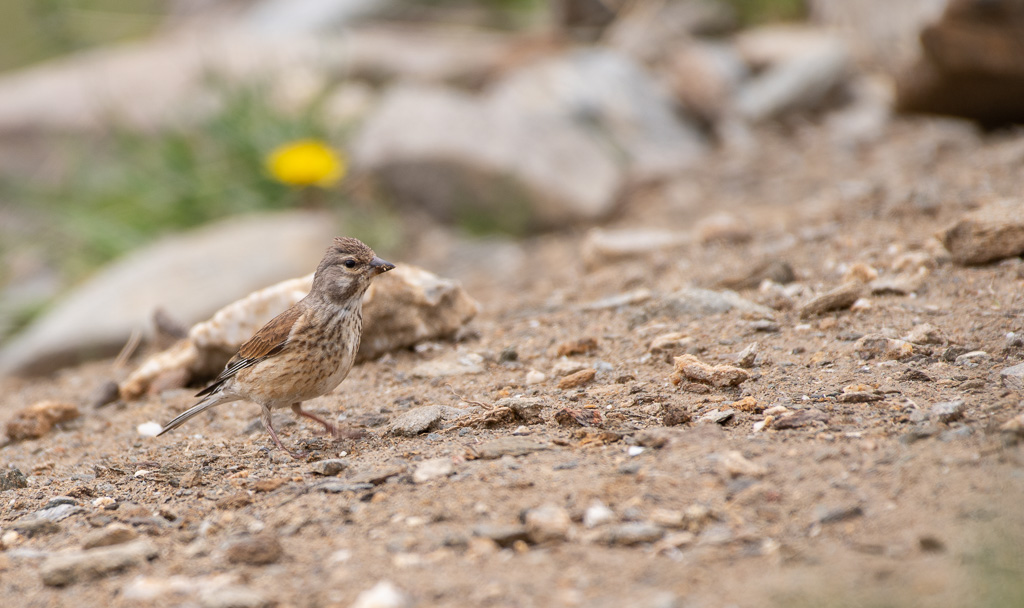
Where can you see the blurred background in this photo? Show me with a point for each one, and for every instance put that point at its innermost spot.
(180, 153)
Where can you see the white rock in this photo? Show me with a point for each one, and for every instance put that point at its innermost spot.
(149, 429)
(382, 595)
(597, 514)
(433, 469)
(534, 377)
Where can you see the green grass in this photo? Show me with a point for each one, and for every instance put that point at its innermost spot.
(752, 12)
(133, 187)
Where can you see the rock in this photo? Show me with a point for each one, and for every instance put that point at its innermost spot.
(453, 364)
(697, 303)
(630, 298)
(674, 415)
(422, 419)
(856, 396)
(231, 596)
(799, 419)
(111, 534)
(1014, 426)
(435, 468)
(503, 535)
(32, 526)
(382, 595)
(688, 366)
(258, 550)
(973, 358)
(722, 227)
(704, 75)
(12, 479)
(871, 346)
(574, 417)
(547, 523)
(377, 475)
(802, 80)
(925, 333)
(671, 344)
(527, 409)
(329, 467)
(425, 53)
(409, 305)
(64, 569)
(840, 298)
(534, 377)
(948, 411)
(718, 416)
(831, 515)
(602, 246)
(860, 273)
(776, 271)
(901, 284)
(401, 308)
(577, 379)
(508, 446)
(656, 438)
(735, 464)
(611, 98)
(747, 357)
(581, 346)
(645, 31)
(37, 420)
(493, 166)
(190, 275)
(630, 534)
(970, 64)
(1011, 377)
(988, 234)
(597, 514)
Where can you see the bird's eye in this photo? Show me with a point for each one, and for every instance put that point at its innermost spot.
(350, 263)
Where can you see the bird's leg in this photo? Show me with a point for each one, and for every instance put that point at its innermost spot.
(330, 428)
(265, 417)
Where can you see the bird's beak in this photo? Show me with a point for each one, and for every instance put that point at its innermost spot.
(380, 265)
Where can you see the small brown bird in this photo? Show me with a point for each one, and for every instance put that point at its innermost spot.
(307, 350)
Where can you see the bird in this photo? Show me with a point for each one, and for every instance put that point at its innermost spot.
(304, 352)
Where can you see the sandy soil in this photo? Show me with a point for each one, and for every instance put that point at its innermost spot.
(866, 504)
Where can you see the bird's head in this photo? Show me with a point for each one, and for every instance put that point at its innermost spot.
(346, 270)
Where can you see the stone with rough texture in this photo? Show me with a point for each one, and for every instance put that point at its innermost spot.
(610, 96)
(691, 368)
(38, 419)
(508, 446)
(547, 523)
(697, 303)
(401, 308)
(258, 550)
(882, 347)
(991, 233)
(463, 159)
(66, 568)
(12, 479)
(1013, 377)
(423, 419)
(189, 275)
(435, 468)
(111, 534)
(840, 298)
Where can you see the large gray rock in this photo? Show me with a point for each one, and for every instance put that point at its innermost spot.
(484, 165)
(612, 97)
(804, 68)
(189, 275)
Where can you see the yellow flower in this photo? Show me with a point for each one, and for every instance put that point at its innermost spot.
(306, 162)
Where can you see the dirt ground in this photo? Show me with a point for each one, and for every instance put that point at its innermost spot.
(875, 503)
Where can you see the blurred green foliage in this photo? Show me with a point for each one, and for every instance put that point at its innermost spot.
(752, 12)
(33, 30)
(135, 186)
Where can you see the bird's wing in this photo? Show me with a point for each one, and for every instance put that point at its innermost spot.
(270, 340)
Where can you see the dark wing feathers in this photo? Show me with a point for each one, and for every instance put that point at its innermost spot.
(268, 341)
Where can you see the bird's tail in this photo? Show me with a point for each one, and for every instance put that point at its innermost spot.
(211, 400)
